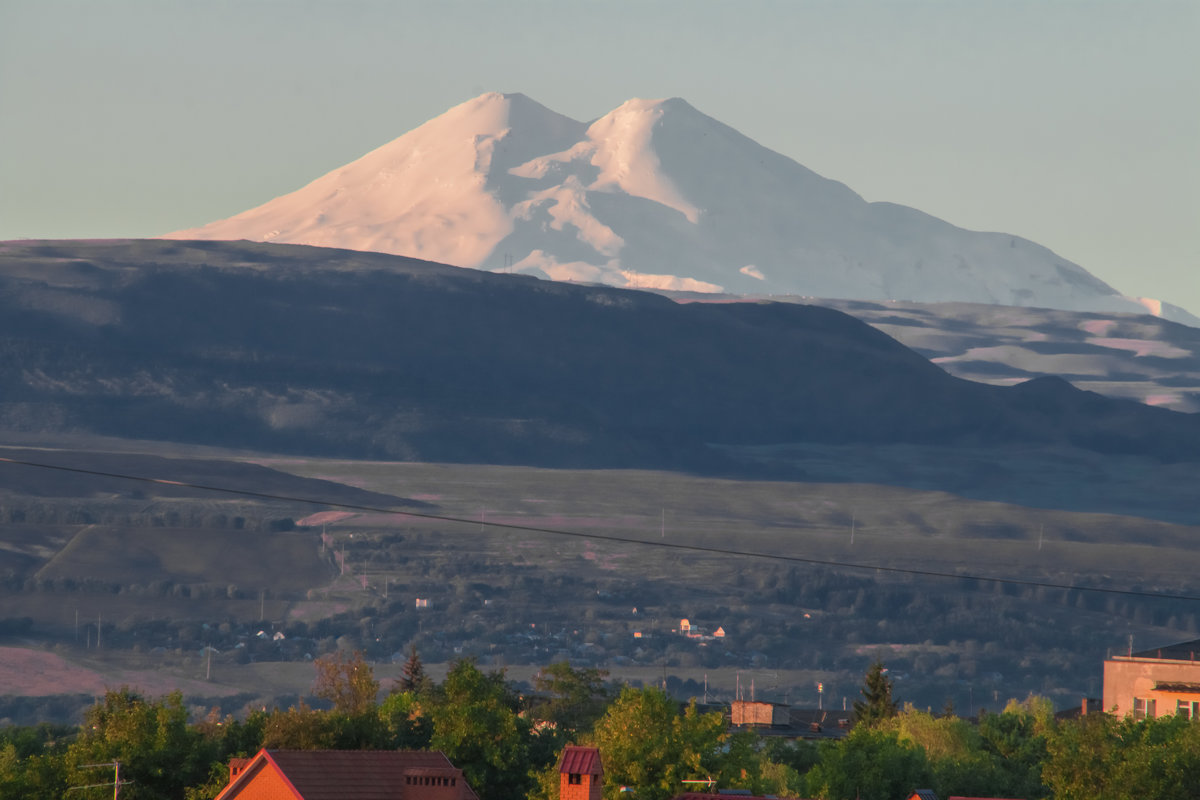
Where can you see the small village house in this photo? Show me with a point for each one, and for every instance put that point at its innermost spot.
(749, 712)
(343, 774)
(1154, 683)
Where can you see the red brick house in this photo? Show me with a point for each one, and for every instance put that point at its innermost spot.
(581, 777)
(345, 775)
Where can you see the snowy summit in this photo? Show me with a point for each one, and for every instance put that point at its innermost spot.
(653, 194)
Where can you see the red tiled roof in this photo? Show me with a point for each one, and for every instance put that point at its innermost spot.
(580, 761)
(361, 774)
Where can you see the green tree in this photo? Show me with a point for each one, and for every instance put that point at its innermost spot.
(404, 717)
(158, 751)
(304, 728)
(747, 762)
(1102, 758)
(648, 745)
(785, 763)
(31, 761)
(475, 723)
(546, 784)
(877, 703)
(347, 681)
(354, 723)
(40, 776)
(299, 728)
(412, 674)
(954, 749)
(29, 740)
(869, 764)
(1016, 740)
(571, 699)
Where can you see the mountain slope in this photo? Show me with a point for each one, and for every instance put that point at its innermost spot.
(296, 349)
(1135, 356)
(429, 193)
(654, 194)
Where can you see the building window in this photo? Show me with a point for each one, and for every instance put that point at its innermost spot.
(1144, 708)
(575, 779)
(1188, 709)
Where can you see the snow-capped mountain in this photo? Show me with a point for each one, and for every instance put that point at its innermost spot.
(653, 194)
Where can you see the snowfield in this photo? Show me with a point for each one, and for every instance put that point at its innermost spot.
(654, 194)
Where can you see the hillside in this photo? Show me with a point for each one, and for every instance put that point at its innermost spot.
(1134, 356)
(304, 350)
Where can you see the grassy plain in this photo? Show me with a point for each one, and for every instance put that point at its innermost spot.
(799, 573)
(869, 524)
(191, 555)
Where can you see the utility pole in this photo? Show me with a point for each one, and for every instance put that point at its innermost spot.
(97, 631)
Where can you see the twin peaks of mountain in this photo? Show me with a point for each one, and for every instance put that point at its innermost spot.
(653, 194)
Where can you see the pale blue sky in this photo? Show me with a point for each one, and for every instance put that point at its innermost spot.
(1074, 124)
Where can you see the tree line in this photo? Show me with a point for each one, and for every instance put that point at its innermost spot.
(508, 745)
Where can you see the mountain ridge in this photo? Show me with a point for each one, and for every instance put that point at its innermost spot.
(287, 348)
(653, 194)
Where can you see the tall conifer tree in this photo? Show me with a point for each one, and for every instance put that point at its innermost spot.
(877, 703)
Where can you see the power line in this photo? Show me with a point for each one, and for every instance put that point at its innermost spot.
(659, 543)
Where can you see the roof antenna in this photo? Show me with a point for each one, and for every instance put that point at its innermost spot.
(116, 782)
